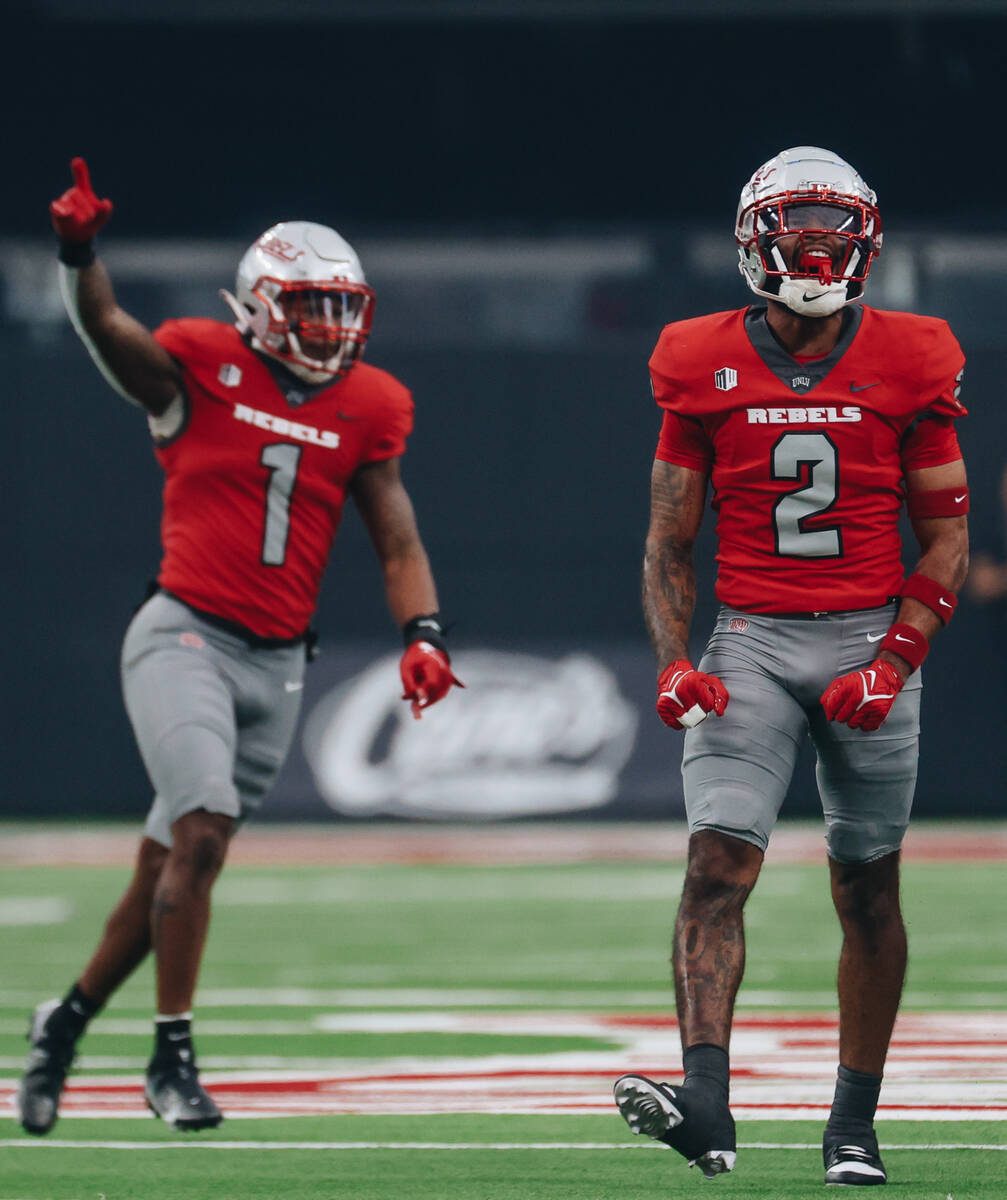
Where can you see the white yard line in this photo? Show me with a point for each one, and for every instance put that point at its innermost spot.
(64, 1144)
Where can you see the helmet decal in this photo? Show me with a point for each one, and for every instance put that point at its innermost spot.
(269, 243)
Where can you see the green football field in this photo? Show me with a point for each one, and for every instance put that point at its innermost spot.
(451, 1030)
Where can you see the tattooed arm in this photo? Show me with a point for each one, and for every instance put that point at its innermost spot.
(677, 498)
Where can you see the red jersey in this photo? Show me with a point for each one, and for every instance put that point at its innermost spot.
(254, 487)
(807, 458)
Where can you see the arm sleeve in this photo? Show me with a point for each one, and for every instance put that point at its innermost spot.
(69, 279)
(930, 441)
(391, 429)
(684, 442)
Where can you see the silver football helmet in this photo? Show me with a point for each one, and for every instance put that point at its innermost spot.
(817, 196)
(302, 296)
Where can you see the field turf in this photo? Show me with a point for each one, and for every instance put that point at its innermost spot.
(386, 1030)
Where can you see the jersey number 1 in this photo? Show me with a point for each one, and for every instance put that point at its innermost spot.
(794, 454)
(282, 459)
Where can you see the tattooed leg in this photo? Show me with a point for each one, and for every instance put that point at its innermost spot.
(708, 957)
(180, 914)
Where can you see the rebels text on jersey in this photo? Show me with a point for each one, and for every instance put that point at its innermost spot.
(807, 459)
(254, 488)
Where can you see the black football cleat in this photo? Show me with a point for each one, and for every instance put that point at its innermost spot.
(48, 1064)
(691, 1120)
(853, 1162)
(173, 1093)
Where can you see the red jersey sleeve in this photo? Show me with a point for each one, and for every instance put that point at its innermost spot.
(392, 425)
(930, 442)
(944, 368)
(684, 442)
(191, 341)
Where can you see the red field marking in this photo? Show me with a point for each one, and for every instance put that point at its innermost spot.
(497, 845)
(778, 1072)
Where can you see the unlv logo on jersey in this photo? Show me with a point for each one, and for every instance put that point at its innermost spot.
(229, 374)
(725, 379)
(278, 248)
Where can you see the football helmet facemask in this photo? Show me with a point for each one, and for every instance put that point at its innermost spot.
(818, 198)
(302, 297)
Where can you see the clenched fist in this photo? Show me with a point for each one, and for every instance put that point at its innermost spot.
(686, 696)
(864, 698)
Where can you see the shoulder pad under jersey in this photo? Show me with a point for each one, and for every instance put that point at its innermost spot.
(689, 353)
(924, 353)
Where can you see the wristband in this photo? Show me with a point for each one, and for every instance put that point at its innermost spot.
(425, 629)
(907, 642)
(942, 502)
(937, 598)
(76, 254)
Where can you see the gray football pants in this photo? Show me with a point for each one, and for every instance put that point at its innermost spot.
(737, 768)
(213, 717)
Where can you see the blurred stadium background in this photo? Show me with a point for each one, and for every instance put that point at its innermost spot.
(535, 187)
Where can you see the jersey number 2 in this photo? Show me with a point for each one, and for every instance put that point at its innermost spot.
(793, 455)
(282, 459)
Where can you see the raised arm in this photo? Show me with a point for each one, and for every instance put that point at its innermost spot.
(125, 351)
(387, 512)
(677, 497)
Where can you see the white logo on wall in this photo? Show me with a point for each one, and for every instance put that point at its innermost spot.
(528, 735)
(725, 379)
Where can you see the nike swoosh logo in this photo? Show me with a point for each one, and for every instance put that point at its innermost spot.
(900, 638)
(959, 499)
(863, 387)
(293, 685)
(672, 692)
(346, 416)
(177, 1037)
(875, 637)
(944, 602)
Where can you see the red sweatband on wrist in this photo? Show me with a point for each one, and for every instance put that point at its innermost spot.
(942, 502)
(907, 642)
(937, 598)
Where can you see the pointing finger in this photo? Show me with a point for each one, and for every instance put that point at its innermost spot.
(81, 175)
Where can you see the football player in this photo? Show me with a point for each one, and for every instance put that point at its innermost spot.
(262, 428)
(815, 418)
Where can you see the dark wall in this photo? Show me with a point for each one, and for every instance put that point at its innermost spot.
(226, 129)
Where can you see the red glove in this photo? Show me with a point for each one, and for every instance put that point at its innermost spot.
(863, 698)
(685, 695)
(426, 676)
(78, 214)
